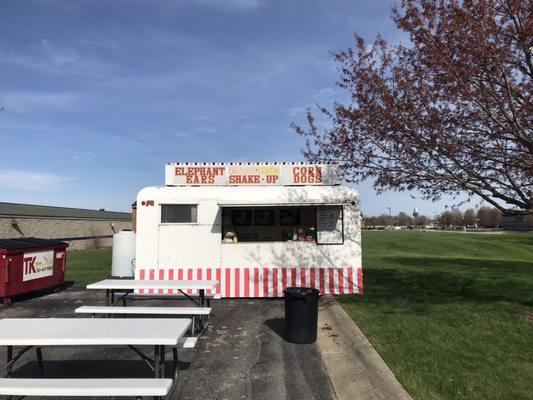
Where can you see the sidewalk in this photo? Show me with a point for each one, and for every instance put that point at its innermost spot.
(356, 370)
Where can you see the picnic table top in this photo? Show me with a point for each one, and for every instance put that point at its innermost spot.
(91, 331)
(153, 284)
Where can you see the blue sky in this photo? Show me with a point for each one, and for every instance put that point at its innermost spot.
(99, 95)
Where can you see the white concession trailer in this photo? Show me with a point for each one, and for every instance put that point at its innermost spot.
(257, 228)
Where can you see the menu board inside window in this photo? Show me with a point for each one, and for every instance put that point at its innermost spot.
(329, 225)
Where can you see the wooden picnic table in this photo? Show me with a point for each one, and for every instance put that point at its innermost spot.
(131, 332)
(111, 286)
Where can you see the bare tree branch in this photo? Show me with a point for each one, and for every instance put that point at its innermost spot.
(451, 112)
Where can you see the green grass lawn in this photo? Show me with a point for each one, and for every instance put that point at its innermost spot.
(88, 266)
(447, 312)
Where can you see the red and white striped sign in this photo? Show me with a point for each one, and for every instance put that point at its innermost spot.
(263, 282)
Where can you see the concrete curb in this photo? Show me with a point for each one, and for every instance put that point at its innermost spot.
(355, 368)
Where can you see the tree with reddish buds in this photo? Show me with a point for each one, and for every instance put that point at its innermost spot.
(469, 217)
(448, 112)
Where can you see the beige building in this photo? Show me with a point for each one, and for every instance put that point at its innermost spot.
(81, 228)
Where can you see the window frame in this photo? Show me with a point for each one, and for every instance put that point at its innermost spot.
(177, 223)
(226, 211)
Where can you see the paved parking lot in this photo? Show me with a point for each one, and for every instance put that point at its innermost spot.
(242, 355)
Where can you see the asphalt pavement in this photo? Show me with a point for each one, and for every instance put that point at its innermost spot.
(242, 355)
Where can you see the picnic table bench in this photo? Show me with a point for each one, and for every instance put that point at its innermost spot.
(193, 312)
(131, 332)
(85, 387)
(155, 288)
(128, 286)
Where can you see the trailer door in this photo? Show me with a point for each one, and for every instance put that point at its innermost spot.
(189, 235)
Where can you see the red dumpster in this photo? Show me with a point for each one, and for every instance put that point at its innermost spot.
(30, 264)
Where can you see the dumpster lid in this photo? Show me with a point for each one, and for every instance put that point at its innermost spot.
(29, 242)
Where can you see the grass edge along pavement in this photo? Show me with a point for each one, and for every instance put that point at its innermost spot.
(354, 367)
(450, 313)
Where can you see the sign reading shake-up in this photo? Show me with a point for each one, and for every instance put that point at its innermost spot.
(251, 174)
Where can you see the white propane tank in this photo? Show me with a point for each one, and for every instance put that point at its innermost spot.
(123, 261)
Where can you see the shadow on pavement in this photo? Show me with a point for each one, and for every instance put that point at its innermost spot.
(278, 326)
(92, 369)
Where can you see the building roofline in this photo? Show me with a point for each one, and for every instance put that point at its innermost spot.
(43, 211)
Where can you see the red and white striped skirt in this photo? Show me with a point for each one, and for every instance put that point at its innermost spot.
(262, 282)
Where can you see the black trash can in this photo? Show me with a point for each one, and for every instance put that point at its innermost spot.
(301, 314)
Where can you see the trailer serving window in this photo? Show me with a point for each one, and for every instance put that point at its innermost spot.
(179, 213)
(281, 224)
